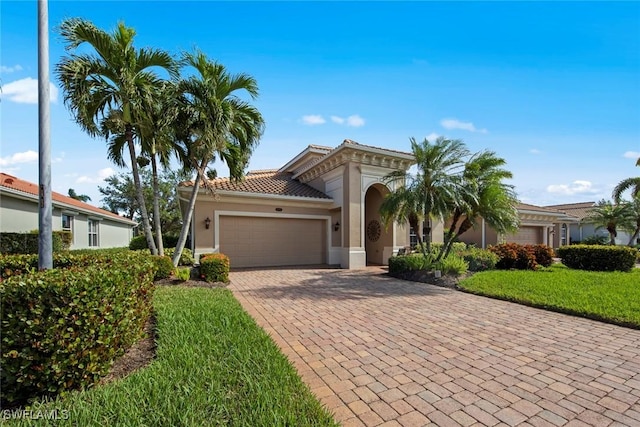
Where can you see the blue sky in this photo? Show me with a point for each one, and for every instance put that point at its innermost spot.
(554, 88)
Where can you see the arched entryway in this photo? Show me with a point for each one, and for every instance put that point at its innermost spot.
(376, 237)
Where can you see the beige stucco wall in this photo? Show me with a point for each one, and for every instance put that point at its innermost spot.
(376, 249)
(20, 215)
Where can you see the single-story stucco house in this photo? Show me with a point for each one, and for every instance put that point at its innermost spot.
(578, 229)
(322, 207)
(90, 226)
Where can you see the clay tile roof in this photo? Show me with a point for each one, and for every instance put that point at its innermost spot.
(267, 182)
(528, 207)
(579, 210)
(9, 181)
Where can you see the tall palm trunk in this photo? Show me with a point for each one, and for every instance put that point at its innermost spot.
(189, 215)
(451, 234)
(136, 180)
(156, 203)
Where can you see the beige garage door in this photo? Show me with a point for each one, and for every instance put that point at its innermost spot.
(263, 242)
(527, 235)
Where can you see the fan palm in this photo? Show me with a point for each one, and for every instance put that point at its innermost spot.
(485, 196)
(215, 122)
(112, 84)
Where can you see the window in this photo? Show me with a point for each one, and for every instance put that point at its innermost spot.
(563, 235)
(67, 223)
(93, 232)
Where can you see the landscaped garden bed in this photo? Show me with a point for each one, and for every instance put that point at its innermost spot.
(214, 366)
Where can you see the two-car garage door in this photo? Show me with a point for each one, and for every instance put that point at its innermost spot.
(264, 242)
(526, 235)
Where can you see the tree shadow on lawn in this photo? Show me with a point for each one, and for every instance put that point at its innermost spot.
(338, 284)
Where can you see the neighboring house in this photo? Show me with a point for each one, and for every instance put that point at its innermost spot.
(90, 226)
(319, 208)
(538, 225)
(579, 229)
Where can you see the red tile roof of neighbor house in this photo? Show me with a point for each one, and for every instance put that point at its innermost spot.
(579, 210)
(17, 184)
(266, 182)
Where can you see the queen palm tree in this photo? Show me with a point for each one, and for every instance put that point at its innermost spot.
(436, 187)
(112, 83)
(214, 122)
(610, 217)
(486, 196)
(403, 206)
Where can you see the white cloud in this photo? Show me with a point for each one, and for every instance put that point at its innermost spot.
(5, 69)
(24, 157)
(632, 154)
(355, 121)
(25, 91)
(313, 119)
(102, 175)
(432, 137)
(535, 151)
(576, 187)
(457, 124)
(336, 119)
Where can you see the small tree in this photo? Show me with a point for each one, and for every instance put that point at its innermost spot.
(610, 217)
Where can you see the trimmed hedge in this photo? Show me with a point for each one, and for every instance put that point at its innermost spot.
(140, 242)
(27, 243)
(479, 259)
(542, 253)
(412, 262)
(164, 267)
(214, 267)
(62, 328)
(514, 256)
(598, 258)
(186, 258)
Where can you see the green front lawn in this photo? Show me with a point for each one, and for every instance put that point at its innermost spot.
(609, 296)
(214, 366)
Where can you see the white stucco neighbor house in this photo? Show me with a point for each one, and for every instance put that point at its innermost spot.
(322, 207)
(90, 226)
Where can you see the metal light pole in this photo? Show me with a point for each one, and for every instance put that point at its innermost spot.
(45, 238)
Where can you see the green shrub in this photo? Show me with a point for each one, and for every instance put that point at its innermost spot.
(598, 258)
(456, 247)
(183, 273)
(514, 256)
(164, 267)
(214, 267)
(27, 243)
(186, 258)
(595, 240)
(15, 265)
(479, 259)
(543, 254)
(140, 242)
(62, 328)
(411, 262)
(453, 264)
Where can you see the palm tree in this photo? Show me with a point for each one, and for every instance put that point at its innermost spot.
(215, 121)
(610, 217)
(486, 196)
(634, 219)
(437, 186)
(403, 206)
(82, 197)
(111, 85)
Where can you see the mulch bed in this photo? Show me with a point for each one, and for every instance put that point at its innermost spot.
(422, 276)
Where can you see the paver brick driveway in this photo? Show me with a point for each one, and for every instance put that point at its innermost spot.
(381, 351)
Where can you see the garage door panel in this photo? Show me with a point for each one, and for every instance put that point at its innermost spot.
(526, 235)
(263, 242)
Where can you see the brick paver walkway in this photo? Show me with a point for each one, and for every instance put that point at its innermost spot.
(381, 351)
